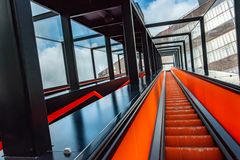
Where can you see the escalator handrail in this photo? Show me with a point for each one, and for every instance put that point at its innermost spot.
(112, 141)
(157, 147)
(226, 143)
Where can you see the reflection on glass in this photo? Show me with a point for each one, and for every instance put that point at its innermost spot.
(101, 63)
(49, 28)
(37, 9)
(221, 41)
(84, 63)
(80, 30)
(51, 63)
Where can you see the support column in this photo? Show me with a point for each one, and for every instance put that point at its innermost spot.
(119, 64)
(25, 131)
(150, 47)
(181, 59)
(237, 24)
(191, 51)
(125, 59)
(146, 54)
(140, 62)
(109, 58)
(130, 45)
(204, 46)
(93, 64)
(69, 54)
(185, 55)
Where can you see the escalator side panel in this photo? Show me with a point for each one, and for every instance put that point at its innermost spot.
(222, 103)
(136, 144)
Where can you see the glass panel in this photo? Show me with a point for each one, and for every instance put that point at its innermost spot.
(84, 63)
(197, 49)
(221, 42)
(37, 9)
(51, 63)
(115, 64)
(80, 30)
(101, 63)
(122, 64)
(49, 28)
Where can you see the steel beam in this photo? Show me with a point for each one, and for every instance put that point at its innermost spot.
(119, 64)
(237, 24)
(69, 54)
(24, 125)
(140, 61)
(185, 55)
(87, 37)
(146, 55)
(44, 16)
(204, 47)
(93, 64)
(185, 20)
(109, 57)
(171, 35)
(191, 51)
(130, 44)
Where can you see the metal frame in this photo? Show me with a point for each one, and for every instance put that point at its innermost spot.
(203, 37)
(237, 24)
(25, 131)
(180, 53)
(69, 54)
(183, 41)
(109, 57)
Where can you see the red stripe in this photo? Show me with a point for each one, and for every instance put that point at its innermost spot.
(124, 84)
(72, 105)
(1, 146)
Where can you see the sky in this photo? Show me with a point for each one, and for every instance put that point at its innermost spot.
(50, 53)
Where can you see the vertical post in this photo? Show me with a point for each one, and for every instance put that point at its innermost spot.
(93, 64)
(237, 24)
(177, 58)
(185, 55)
(130, 44)
(146, 54)
(109, 57)
(69, 54)
(150, 47)
(125, 59)
(119, 64)
(191, 51)
(25, 131)
(204, 46)
(181, 59)
(140, 62)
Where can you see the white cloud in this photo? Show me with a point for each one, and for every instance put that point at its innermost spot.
(165, 10)
(52, 67)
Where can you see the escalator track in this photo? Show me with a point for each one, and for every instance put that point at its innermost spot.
(186, 137)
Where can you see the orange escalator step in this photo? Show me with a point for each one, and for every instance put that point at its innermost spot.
(183, 123)
(185, 153)
(181, 117)
(178, 108)
(174, 112)
(186, 131)
(189, 141)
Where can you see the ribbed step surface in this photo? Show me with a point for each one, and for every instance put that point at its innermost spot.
(186, 138)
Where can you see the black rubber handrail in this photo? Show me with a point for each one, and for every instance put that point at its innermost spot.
(229, 147)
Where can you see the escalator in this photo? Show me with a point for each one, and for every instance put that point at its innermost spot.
(186, 137)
